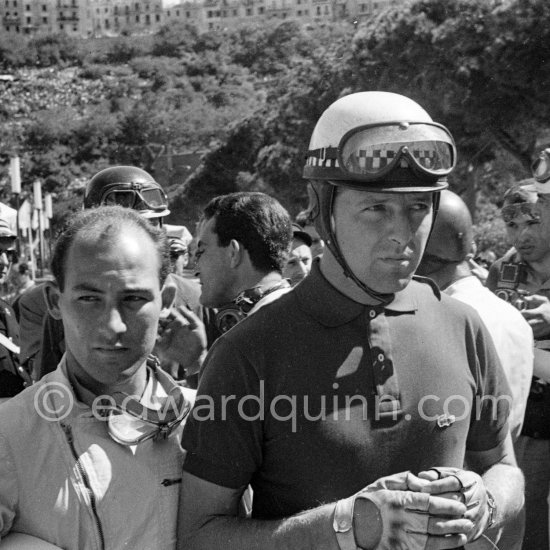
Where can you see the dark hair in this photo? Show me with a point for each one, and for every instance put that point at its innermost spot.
(258, 222)
(101, 222)
(23, 269)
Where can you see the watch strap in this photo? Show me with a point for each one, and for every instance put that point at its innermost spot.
(343, 524)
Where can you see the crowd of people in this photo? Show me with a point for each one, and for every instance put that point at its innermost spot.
(348, 379)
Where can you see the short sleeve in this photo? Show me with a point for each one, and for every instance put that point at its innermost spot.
(223, 436)
(8, 488)
(493, 399)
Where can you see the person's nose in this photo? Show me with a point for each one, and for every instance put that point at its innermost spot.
(400, 229)
(4, 261)
(112, 323)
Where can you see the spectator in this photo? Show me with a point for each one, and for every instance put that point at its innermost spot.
(242, 247)
(303, 219)
(13, 378)
(328, 416)
(179, 256)
(299, 260)
(86, 459)
(25, 279)
(519, 275)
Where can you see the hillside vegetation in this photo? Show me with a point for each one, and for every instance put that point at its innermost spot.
(249, 98)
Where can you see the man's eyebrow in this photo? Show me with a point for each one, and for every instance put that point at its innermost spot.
(87, 287)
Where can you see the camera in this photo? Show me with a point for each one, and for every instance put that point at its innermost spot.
(514, 297)
(510, 275)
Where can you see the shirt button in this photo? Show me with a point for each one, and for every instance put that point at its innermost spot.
(372, 314)
(380, 357)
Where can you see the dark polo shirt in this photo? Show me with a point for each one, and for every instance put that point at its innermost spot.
(316, 396)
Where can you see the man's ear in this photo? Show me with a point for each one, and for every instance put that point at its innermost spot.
(236, 252)
(51, 295)
(168, 296)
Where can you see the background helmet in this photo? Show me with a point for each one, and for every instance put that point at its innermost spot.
(452, 235)
(127, 186)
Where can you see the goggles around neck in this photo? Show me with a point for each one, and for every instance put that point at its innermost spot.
(372, 152)
(136, 196)
(541, 167)
(130, 422)
(511, 211)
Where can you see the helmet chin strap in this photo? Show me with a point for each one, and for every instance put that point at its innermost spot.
(332, 244)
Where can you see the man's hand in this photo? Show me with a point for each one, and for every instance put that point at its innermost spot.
(408, 516)
(182, 338)
(465, 486)
(537, 314)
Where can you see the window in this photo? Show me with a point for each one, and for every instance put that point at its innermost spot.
(29, 20)
(157, 18)
(147, 19)
(168, 13)
(44, 20)
(137, 18)
(27, 7)
(44, 7)
(248, 11)
(326, 10)
(106, 23)
(261, 10)
(235, 13)
(318, 10)
(60, 26)
(209, 14)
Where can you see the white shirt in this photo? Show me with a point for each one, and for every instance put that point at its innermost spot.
(512, 336)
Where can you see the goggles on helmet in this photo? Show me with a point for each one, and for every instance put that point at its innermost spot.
(371, 152)
(511, 211)
(541, 167)
(136, 197)
(130, 422)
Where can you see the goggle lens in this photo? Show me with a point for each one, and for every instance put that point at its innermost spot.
(371, 150)
(541, 167)
(142, 199)
(154, 198)
(121, 198)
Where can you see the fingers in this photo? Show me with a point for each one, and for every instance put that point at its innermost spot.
(449, 541)
(192, 319)
(535, 300)
(446, 507)
(439, 526)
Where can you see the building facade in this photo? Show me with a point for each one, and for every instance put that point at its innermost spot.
(86, 18)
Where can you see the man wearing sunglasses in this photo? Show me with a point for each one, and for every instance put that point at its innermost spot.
(355, 396)
(13, 378)
(90, 455)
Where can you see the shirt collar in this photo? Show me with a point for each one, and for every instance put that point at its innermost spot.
(318, 298)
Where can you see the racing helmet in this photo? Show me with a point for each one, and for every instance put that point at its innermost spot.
(379, 142)
(452, 235)
(127, 186)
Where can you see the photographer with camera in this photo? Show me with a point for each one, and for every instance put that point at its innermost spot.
(522, 277)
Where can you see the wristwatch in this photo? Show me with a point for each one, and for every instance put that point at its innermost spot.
(343, 524)
(491, 504)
